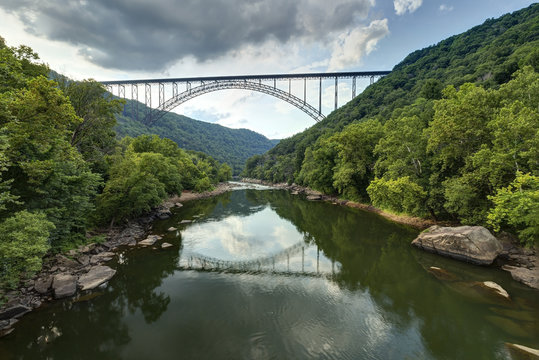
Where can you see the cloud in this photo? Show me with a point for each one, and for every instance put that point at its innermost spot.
(403, 6)
(352, 46)
(150, 36)
(446, 8)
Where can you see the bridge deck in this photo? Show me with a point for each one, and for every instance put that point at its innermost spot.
(325, 75)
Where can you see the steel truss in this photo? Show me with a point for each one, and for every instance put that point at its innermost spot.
(205, 88)
(246, 82)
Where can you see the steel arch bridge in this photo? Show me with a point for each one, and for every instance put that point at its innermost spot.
(170, 95)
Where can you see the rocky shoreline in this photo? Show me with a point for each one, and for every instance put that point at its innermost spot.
(83, 269)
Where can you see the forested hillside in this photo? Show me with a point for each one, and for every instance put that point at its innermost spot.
(452, 132)
(233, 146)
(63, 170)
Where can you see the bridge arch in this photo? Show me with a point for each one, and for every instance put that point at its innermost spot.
(245, 82)
(205, 88)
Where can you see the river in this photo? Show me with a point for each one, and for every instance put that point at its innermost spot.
(263, 274)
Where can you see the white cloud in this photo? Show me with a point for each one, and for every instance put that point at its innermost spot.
(446, 8)
(350, 47)
(403, 6)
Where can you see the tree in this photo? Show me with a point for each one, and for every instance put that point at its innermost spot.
(354, 165)
(23, 242)
(94, 137)
(517, 206)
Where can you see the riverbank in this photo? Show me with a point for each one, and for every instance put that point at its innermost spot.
(82, 269)
(522, 263)
(416, 222)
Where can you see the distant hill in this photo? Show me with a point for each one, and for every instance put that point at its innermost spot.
(232, 146)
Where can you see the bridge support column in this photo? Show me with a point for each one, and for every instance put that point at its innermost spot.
(320, 97)
(353, 87)
(161, 93)
(134, 100)
(372, 80)
(148, 99)
(174, 89)
(121, 91)
(336, 92)
(304, 91)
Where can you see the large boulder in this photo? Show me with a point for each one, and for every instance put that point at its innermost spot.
(64, 285)
(474, 244)
(95, 277)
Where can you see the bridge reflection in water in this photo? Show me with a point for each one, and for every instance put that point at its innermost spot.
(285, 262)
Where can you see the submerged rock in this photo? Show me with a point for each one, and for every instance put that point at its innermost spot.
(186, 222)
(494, 288)
(524, 275)
(442, 274)
(474, 244)
(166, 245)
(95, 277)
(521, 352)
(64, 285)
(150, 240)
(314, 197)
(172, 228)
(14, 312)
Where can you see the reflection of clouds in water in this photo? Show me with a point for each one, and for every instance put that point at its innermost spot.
(241, 238)
(235, 238)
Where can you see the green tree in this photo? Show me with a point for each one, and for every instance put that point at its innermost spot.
(94, 137)
(354, 165)
(23, 242)
(517, 206)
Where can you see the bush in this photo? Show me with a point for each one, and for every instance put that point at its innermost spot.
(23, 242)
(517, 206)
(401, 195)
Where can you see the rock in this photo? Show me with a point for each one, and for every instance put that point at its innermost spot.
(526, 276)
(64, 285)
(314, 197)
(521, 352)
(186, 222)
(72, 252)
(5, 332)
(496, 289)
(172, 228)
(166, 245)
(150, 240)
(474, 244)
(43, 285)
(14, 312)
(95, 277)
(179, 205)
(84, 260)
(87, 248)
(101, 257)
(65, 262)
(442, 274)
(295, 192)
(87, 297)
(164, 214)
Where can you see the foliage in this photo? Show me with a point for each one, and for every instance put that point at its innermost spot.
(233, 146)
(147, 168)
(94, 137)
(401, 195)
(517, 206)
(441, 134)
(23, 242)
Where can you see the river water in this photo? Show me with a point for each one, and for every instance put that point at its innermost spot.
(262, 274)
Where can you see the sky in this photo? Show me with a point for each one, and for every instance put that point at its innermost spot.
(141, 39)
